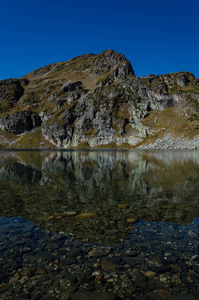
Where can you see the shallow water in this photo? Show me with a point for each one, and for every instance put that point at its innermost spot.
(130, 215)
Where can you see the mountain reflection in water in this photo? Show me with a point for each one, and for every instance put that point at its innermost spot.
(98, 195)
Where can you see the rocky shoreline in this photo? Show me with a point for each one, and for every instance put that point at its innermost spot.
(157, 261)
(169, 142)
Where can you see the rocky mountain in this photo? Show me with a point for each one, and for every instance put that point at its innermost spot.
(95, 101)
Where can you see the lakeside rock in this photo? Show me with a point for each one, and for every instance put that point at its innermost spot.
(168, 142)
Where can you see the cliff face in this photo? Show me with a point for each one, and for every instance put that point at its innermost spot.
(95, 101)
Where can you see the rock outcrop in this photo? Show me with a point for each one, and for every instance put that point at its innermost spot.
(11, 90)
(20, 122)
(95, 101)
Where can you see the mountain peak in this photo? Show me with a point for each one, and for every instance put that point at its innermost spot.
(88, 68)
(115, 61)
(95, 100)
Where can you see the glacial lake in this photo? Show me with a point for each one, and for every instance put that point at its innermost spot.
(85, 224)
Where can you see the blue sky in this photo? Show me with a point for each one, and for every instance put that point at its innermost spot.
(158, 37)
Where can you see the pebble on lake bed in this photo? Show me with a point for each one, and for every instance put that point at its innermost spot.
(131, 220)
(66, 214)
(99, 251)
(86, 215)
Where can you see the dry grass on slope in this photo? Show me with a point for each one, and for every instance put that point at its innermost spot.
(168, 120)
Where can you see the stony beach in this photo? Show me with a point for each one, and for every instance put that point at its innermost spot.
(158, 260)
(169, 142)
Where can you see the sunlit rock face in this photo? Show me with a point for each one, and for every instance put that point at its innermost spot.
(95, 101)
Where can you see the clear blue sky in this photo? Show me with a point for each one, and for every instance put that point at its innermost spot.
(158, 37)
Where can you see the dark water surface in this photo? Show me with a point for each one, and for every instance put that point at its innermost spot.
(99, 225)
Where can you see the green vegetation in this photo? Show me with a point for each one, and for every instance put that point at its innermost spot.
(32, 140)
(194, 117)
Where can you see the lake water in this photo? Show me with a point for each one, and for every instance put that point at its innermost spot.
(99, 224)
